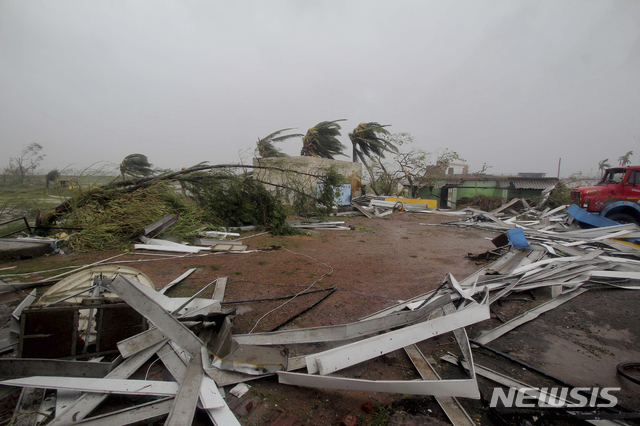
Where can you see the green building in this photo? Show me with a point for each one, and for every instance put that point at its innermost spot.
(451, 188)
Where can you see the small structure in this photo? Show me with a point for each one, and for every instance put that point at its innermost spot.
(279, 175)
(451, 188)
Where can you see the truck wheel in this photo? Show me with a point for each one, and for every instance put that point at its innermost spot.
(623, 218)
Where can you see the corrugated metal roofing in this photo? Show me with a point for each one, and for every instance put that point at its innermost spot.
(533, 184)
(440, 184)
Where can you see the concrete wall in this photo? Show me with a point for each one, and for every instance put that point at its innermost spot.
(312, 165)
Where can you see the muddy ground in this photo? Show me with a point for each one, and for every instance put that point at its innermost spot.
(379, 263)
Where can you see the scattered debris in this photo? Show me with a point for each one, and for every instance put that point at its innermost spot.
(116, 309)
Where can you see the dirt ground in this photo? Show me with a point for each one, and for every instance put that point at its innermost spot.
(381, 262)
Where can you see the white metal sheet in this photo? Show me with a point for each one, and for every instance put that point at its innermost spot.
(344, 356)
(466, 388)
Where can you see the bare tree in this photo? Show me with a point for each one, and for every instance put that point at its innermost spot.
(415, 169)
(27, 162)
(420, 171)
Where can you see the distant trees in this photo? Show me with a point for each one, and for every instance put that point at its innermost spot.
(418, 169)
(28, 161)
(136, 165)
(52, 176)
(414, 168)
(321, 140)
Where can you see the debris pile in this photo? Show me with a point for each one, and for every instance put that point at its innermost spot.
(116, 310)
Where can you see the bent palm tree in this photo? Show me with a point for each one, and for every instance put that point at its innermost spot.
(265, 145)
(135, 165)
(367, 140)
(625, 159)
(603, 165)
(320, 140)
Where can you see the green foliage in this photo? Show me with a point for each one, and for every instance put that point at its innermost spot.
(321, 140)
(136, 165)
(230, 200)
(330, 188)
(369, 139)
(111, 220)
(265, 145)
(559, 196)
(53, 175)
(380, 415)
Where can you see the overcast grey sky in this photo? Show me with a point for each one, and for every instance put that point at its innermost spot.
(514, 84)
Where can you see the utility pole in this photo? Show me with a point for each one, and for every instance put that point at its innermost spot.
(559, 161)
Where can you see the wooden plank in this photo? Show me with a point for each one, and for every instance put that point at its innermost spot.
(132, 294)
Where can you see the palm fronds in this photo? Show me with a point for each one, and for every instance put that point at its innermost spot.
(368, 139)
(321, 141)
(135, 165)
(267, 149)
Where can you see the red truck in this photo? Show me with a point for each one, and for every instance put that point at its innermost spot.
(615, 197)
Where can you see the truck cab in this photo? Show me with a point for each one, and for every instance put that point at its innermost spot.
(615, 197)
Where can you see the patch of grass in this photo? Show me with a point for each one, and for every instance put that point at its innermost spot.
(213, 267)
(405, 238)
(365, 229)
(380, 415)
(237, 272)
(292, 271)
(263, 262)
(361, 241)
(413, 255)
(35, 267)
